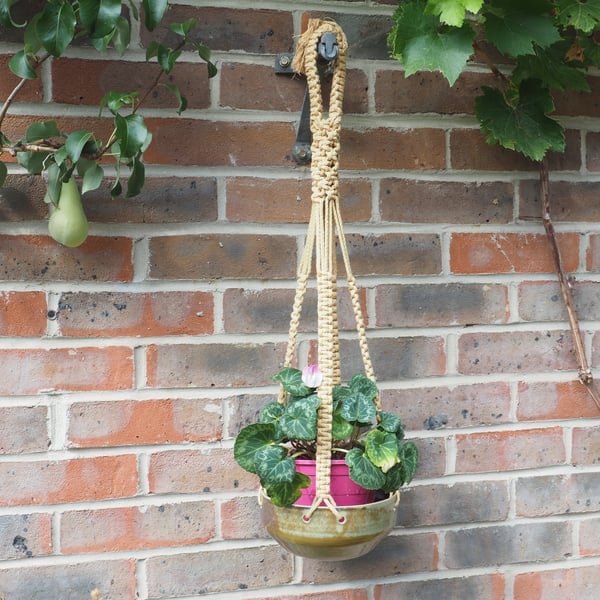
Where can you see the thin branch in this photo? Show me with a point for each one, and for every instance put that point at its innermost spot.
(585, 373)
(488, 61)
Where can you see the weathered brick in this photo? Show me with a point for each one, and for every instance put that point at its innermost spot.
(224, 256)
(394, 254)
(555, 401)
(586, 445)
(490, 587)
(268, 310)
(593, 254)
(427, 92)
(23, 429)
(163, 200)
(410, 201)
(558, 584)
(24, 536)
(255, 199)
(437, 504)
(22, 314)
(241, 519)
(372, 149)
(395, 554)
(515, 352)
(432, 457)
(557, 494)
(102, 76)
(510, 252)
(430, 305)
(213, 365)
(52, 482)
(198, 471)
(75, 369)
(458, 407)
(589, 537)
(134, 527)
(414, 357)
(243, 410)
(130, 422)
(579, 103)
(22, 198)
(222, 571)
(509, 450)
(111, 314)
(592, 139)
(222, 28)
(35, 258)
(506, 544)
(353, 594)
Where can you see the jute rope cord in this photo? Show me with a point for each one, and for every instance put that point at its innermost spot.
(325, 221)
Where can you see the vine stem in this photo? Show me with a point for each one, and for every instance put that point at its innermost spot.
(585, 373)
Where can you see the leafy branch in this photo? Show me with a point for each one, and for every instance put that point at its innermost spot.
(542, 46)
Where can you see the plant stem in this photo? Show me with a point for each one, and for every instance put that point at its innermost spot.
(585, 373)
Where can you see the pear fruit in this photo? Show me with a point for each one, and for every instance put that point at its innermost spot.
(68, 224)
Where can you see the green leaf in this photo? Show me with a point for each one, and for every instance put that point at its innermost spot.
(273, 465)
(122, 35)
(522, 124)
(75, 142)
(135, 183)
(418, 41)
(34, 162)
(92, 174)
(291, 381)
(56, 27)
(299, 421)
(167, 58)
(204, 54)
(363, 471)
(389, 421)
(249, 441)
(5, 16)
(60, 155)
(284, 494)
(109, 12)
(393, 479)
(41, 130)
(409, 461)
(131, 134)
(152, 49)
(181, 100)
(272, 412)
(154, 11)
(20, 65)
(340, 428)
(54, 183)
(381, 447)
(31, 41)
(580, 14)
(116, 100)
(452, 12)
(548, 66)
(3, 173)
(514, 26)
(182, 29)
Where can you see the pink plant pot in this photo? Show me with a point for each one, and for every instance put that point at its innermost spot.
(343, 490)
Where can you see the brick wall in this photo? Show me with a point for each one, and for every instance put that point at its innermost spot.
(130, 363)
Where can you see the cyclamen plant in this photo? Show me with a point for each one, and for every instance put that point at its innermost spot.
(371, 440)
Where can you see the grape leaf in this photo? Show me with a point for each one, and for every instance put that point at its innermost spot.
(418, 41)
(514, 26)
(452, 12)
(520, 124)
(581, 14)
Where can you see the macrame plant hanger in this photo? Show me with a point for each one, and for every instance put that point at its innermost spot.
(324, 237)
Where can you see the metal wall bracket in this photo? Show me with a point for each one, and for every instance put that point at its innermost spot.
(328, 50)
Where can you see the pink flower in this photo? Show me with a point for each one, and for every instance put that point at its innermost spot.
(312, 376)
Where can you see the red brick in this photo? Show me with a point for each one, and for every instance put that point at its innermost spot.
(593, 254)
(112, 578)
(26, 535)
(510, 253)
(457, 407)
(22, 197)
(241, 519)
(222, 256)
(593, 150)
(509, 450)
(22, 314)
(195, 472)
(554, 401)
(210, 571)
(579, 103)
(432, 457)
(558, 584)
(41, 258)
(55, 482)
(102, 76)
(586, 445)
(515, 352)
(589, 537)
(386, 148)
(260, 200)
(32, 90)
(60, 369)
(431, 305)
(213, 365)
(250, 311)
(490, 587)
(410, 201)
(136, 527)
(244, 409)
(23, 429)
(130, 422)
(111, 314)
